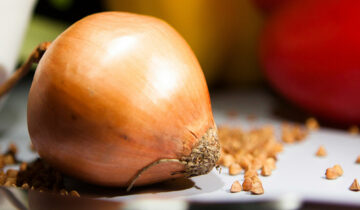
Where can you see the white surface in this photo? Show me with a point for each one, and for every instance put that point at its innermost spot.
(299, 174)
(14, 16)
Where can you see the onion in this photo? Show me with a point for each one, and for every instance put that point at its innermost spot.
(120, 99)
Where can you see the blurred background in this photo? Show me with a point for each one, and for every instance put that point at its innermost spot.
(304, 51)
(224, 35)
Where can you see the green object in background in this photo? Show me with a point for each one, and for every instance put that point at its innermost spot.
(62, 5)
(40, 29)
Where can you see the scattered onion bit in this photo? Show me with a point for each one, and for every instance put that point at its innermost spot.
(255, 178)
(250, 173)
(257, 164)
(257, 188)
(25, 186)
(338, 169)
(23, 167)
(244, 162)
(11, 173)
(266, 171)
(355, 186)
(235, 187)
(226, 160)
(235, 169)
(353, 130)
(247, 184)
(357, 159)
(293, 133)
(321, 152)
(271, 163)
(36, 175)
(331, 173)
(74, 193)
(9, 157)
(312, 124)
(2, 178)
(64, 192)
(8, 160)
(12, 149)
(334, 172)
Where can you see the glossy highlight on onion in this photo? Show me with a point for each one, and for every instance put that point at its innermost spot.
(120, 99)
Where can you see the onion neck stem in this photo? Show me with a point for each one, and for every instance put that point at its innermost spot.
(34, 57)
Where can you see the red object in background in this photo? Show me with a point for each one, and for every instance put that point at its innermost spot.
(268, 6)
(310, 51)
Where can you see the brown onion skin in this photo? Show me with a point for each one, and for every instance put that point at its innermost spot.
(115, 92)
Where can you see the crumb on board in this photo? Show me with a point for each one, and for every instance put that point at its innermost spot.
(354, 130)
(255, 178)
(235, 169)
(244, 162)
(25, 186)
(312, 124)
(11, 173)
(338, 169)
(36, 175)
(2, 178)
(331, 173)
(357, 159)
(227, 160)
(334, 172)
(355, 186)
(247, 184)
(74, 193)
(64, 192)
(257, 164)
(271, 163)
(321, 152)
(235, 187)
(9, 157)
(266, 171)
(250, 173)
(23, 166)
(257, 188)
(293, 133)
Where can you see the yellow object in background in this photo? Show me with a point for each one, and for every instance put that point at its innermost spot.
(223, 34)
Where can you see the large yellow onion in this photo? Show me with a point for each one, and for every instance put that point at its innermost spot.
(116, 93)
